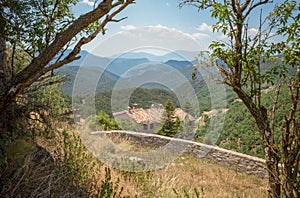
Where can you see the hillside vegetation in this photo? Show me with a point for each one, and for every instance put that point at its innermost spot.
(61, 166)
(142, 96)
(238, 132)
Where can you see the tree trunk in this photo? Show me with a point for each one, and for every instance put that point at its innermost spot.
(272, 161)
(36, 68)
(4, 73)
(8, 122)
(290, 142)
(271, 152)
(289, 183)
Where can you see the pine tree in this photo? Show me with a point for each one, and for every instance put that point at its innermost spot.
(170, 122)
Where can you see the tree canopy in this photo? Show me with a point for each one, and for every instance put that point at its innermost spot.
(239, 59)
(34, 40)
(39, 31)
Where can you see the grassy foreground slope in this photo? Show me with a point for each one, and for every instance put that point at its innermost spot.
(190, 177)
(60, 166)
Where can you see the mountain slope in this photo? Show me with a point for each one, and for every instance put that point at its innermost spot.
(180, 55)
(106, 82)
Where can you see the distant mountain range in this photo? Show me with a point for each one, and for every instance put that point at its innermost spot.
(179, 55)
(119, 64)
(126, 68)
(131, 69)
(106, 80)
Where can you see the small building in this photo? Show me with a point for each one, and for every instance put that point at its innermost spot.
(148, 119)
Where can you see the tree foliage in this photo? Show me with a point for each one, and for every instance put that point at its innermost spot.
(33, 33)
(105, 122)
(240, 67)
(170, 123)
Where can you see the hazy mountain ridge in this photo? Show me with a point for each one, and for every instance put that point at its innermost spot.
(107, 79)
(180, 55)
(124, 69)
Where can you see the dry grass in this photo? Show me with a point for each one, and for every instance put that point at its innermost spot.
(31, 172)
(59, 166)
(84, 169)
(184, 177)
(191, 177)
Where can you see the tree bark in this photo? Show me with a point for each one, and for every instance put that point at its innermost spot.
(22, 79)
(11, 87)
(272, 161)
(37, 67)
(5, 72)
(290, 142)
(271, 151)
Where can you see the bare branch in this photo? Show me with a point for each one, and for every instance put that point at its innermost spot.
(197, 3)
(229, 20)
(46, 83)
(72, 56)
(118, 20)
(62, 53)
(275, 101)
(245, 5)
(254, 6)
(234, 7)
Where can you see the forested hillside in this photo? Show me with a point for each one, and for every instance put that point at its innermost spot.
(239, 131)
(65, 69)
(142, 96)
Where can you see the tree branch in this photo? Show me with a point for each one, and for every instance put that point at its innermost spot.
(38, 65)
(254, 6)
(233, 5)
(72, 55)
(275, 104)
(245, 5)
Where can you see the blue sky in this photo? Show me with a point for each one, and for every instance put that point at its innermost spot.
(158, 24)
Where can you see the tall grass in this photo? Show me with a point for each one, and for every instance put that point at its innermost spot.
(56, 166)
(62, 166)
(191, 177)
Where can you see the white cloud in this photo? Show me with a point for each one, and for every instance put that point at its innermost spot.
(161, 27)
(206, 32)
(200, 35)
(128, 27)
(222, 37)
(252, 32)
(149, 38)
(205, 28)
(88, 2)
(173, 31)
